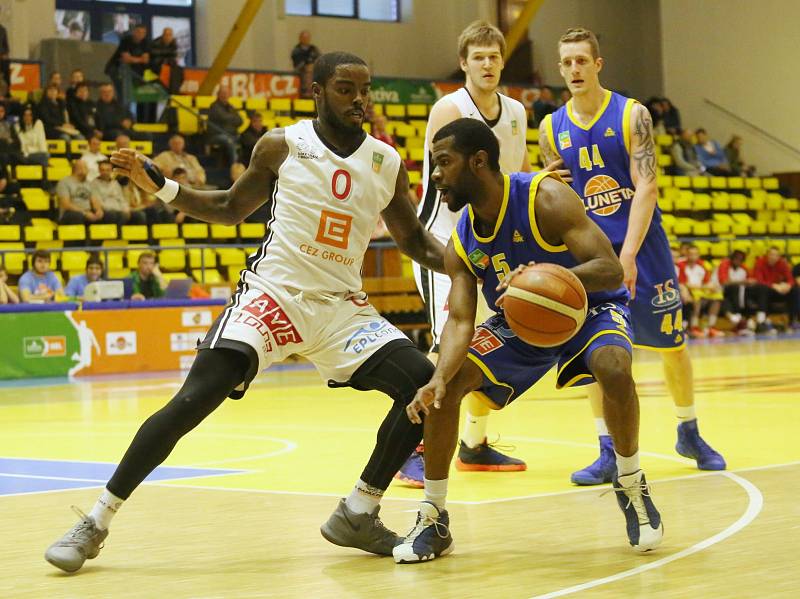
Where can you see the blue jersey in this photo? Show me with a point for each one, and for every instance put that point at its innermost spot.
(598, 157)
(516, 240)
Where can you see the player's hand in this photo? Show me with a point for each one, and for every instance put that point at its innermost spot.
(630, 273)
(506, 281)
(130, 163)
(432, 393)
(558, 167)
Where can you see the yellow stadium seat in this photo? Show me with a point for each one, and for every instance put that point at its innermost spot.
(151, 127)
(758, 228)
(38, 233)
(417, 154)
(403, 153)
(14, 263)
(701, 201)
(256, 103)
(145, 147)
(682, 226)
(134, 232)
(662, 180)
(303, 106)
(9, 233)
(231, 257)
(223, 232)
(703, 246)
(56, 173)
(664, 139)
(414, 177)
(78, 146)
(56, 146)
(203, 102)
(735, 182)
(664, 160)
(792, 228)
(71, 232)
(791, 204)
(665, 204)
(532, 134)
(776, 228)
(720, 249)
(756, 203)
(108, 147)
(752, 183)
(417, 110)
(738, 201)
(165, 231)
(280, 104)
(58, 162)
(188, 123)
(770, 183)
(377, 108)
(103, 231)
(682, 182)
(209, 276)
(395, 111)
(237, 102)
(205, 258)
(701, 228)
(29, 172)
(719, 183)
(195, 231)
(793, 247)
(172, 259)
(233, 273)
(685, 200)
(74, 261)
(132, 255)
(774, 201)
(49, 244)
(415, 142)
(252, 230)
(719, 227)
(720, 201)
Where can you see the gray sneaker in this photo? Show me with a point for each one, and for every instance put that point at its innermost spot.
(362, 531)
(83, 541)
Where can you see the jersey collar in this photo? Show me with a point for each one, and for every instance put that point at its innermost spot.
(500, 216)
(596, 117)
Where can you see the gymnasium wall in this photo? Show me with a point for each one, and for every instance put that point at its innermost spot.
(27, 22)
(743, 56)
(422, 45)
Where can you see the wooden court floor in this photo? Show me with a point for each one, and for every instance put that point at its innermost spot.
(236, 510)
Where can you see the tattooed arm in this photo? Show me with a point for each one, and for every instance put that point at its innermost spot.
(643, 174)
(546, 144)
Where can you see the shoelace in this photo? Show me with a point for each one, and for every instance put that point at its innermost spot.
(503, 447)
(81, 531)
(422, 524)
(634, 495)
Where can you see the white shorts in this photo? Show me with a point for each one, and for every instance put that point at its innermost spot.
(434, 289)
(269, 322)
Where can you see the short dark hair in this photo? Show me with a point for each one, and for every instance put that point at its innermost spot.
(40, 254)
(81, 84)
(699, 130)
(325, 65)
(738, 254)
(179, 171)
(469, 137)
(94, 259)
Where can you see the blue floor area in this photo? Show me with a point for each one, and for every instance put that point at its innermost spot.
(19, 475)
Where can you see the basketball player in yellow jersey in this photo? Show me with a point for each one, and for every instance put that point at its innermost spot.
(606, 142)
(480, 51)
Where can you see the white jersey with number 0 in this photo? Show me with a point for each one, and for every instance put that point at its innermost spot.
(510, 132)
(324, 209)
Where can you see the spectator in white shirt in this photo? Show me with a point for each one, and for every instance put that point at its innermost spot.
(93, 156)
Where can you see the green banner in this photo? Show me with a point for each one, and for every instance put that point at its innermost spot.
(402, 91)
(38, 344)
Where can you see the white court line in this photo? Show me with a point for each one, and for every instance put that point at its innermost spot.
(288, 446)
(40, 477)
(756, 502)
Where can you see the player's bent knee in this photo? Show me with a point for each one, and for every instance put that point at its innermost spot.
(611, 367)
(467, 379)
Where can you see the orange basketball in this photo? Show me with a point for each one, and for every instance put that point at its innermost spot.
(545, 305)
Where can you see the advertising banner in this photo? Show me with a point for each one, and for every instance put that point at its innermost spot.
(246, 84)
(26, 76)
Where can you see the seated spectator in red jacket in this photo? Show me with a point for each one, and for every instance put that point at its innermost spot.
(737, 287)
(704, 290)
(775, 289)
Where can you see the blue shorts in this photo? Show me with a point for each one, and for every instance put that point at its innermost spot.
(510, 366)
(657, 310)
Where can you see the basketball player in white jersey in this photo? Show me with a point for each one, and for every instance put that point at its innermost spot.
(480, 50)
(299, 294)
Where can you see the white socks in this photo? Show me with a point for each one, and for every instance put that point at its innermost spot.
(105, 508)
(685, 414)
(600, 425)
(474, 430)
(436, 491)
(364, 498)
(761, 317)
(627, 465)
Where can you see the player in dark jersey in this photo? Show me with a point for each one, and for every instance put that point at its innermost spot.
(513, 220)
(606, 142)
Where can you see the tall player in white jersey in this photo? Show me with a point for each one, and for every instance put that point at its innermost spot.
(299, 294)
(480, 50)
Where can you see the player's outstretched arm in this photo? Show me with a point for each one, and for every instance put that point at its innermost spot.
(227, 207)
(561, 218)
(407, 230)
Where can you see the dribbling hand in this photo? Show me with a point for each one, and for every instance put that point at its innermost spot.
(432, 393)
(506, 281)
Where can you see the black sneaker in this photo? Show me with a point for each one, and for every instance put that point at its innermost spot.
(429, 539)
(362, 531)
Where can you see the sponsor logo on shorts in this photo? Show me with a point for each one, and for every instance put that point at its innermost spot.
(44, 347)
(121, 343)
(485, 342)
(667, 296)
(267, 317)
(369, 334)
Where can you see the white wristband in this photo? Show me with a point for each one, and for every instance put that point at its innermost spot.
(169, 192)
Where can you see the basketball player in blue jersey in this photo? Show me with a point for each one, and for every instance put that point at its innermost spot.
(512, 221)
(606, 142)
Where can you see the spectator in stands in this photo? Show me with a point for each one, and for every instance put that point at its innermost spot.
(75, 78)
(39, 284)
(129, 61)
(671, 117)
(164, 53)
(32, 139)
(77, 204)
(53, 112)
(710, 154)
(92, 156)
(12, 208)
(111, 117)
(147, 282)
(564, 96)
(82, 111)
(9, 140)
(736, 280)
(378, 130)
(137, 198)
(177, 156)
(656, 111)
(684, 156)
(733, 153)
(55, 80)
(122, 141)
(544, 105)
(116, 209)
(5, 63)
(223, 124)
(304, 54)
(775, 289)
(7, 295)
(251, 135)
(704, 290)
(77, 284)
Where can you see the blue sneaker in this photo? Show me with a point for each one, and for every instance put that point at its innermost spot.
(691, 445)
(602, 470)
(413, 471)
(485, 458)
(643, 522)
(429, 539)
